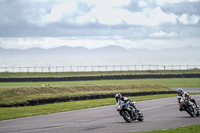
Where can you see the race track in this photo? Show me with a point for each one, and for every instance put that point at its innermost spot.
(188, 89)
(158, 114)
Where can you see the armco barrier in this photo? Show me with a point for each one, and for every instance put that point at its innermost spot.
(106, 77)
(78, 98)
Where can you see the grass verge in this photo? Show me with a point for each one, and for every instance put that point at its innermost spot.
(187, 129)
(17, 112)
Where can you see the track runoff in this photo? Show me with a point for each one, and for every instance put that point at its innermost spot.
(159, 114)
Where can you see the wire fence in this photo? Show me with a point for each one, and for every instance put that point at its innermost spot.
(98, 68)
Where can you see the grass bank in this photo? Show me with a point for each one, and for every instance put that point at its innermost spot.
(187, 129)
(23, 91)
(95, 73)
(22, 95)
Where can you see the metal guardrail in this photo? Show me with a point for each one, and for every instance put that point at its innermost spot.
(98, 68)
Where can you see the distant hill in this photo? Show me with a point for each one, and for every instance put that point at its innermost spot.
(59, 50)
(112, 49)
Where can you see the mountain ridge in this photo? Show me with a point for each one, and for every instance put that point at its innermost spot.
(111, 49)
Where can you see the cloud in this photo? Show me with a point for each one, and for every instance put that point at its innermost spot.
(151, 17)
(115, 16)
(109, 13)
(62, 10)
(186, 19)
(93, 23)
(162, 2)
(163, 34)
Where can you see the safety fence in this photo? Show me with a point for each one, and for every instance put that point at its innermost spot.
(105, 77)
(98, 68)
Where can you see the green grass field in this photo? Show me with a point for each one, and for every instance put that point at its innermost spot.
(171, 82)
(187, 129)
(95, 73)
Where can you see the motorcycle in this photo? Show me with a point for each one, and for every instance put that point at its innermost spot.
(128, 111)
(189, 107)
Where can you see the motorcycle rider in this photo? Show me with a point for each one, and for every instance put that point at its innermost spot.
(118, 97)
(182, 94)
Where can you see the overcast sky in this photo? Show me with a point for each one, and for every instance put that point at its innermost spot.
(151, 24)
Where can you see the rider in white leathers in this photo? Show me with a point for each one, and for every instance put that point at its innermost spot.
(182, 94)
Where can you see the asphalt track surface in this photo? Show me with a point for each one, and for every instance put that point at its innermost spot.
(188, 89)
(158, 114)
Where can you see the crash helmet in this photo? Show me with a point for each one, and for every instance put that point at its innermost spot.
(179, 91)
(118, 96)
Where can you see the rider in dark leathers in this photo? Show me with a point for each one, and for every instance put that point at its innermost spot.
(118, 97)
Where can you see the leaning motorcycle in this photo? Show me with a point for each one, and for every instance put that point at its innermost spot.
(128, 111)
(189, 107)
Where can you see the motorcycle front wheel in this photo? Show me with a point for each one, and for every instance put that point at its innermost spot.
(189, 111)
(141, 117)
(197, 114)
(126, 115)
